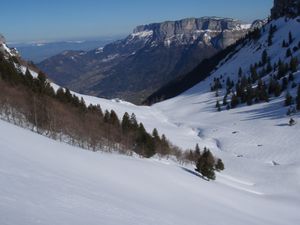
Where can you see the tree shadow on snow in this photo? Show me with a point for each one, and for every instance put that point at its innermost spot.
(283, 125)
(268, 111)
(193, 173)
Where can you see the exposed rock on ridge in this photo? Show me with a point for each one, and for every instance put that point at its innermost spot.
(151, 56)
(289, 8)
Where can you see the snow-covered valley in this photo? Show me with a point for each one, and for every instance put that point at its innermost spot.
(52, 183)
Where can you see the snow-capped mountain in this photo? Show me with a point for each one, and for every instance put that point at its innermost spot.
(5, 50)
(152, 55)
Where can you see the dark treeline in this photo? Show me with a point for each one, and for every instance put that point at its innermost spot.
(32, 103)
(253, 88)
(201, 72)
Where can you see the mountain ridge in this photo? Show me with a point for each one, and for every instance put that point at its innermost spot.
(134, 67)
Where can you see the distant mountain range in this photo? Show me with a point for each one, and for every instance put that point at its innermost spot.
(151, 56)
(39, 51)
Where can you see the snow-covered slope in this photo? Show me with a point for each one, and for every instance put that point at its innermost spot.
(255, 141)
(52, 183)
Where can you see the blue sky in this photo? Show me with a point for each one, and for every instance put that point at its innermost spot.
(28, 20)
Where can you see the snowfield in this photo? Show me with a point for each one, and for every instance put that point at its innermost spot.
(47, 182)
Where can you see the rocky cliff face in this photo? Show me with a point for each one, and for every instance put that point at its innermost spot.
(289, 8)
(151, 56)
(188, 31)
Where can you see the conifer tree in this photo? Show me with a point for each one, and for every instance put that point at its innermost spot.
(281, 69)
(220, 165)
(240, 73)
(294, 64)
(225, 100)
(42, 78)
(277, 89)
(269, 66)
(288, 53)
(284, 45)
(290, 38)
(271, 34)
(218, 106)
(133, 121)
(298, 98)
(155, 134)
(264, 57)
(234, 101)
(205, 165)
(254, 74)
(126, 123)
(106, 116)
(284, 84)
(113, 119)
(249, 95)
(197, 151)
(288, 99)
(28, 78)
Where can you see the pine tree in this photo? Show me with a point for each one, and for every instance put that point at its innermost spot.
(42, 78)
(264, 96)
(271, 34)
(290, 38)
(291, 77)
(234, 101)
(113, 119)
(254, 74)
(249, 95)
(205, 165)
(264, 57)
(288, 53)
(281, 69)
(106, 116)
(277, 89)
(225, 100)
(285, 83)
(240, 73)
(133, 121)
(294, 64)
(220, 165)
(126, 123)
(284, 45)
(197, 150)
(155, 134)
(218, 106)
(269, 66)
(28, 78)
(288, 99)
(298, 98)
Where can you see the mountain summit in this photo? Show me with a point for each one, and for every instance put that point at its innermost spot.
(151, 56)
(206, 30)
(289, 8)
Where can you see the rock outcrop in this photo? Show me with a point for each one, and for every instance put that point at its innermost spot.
(290, 8)
(188, 31)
